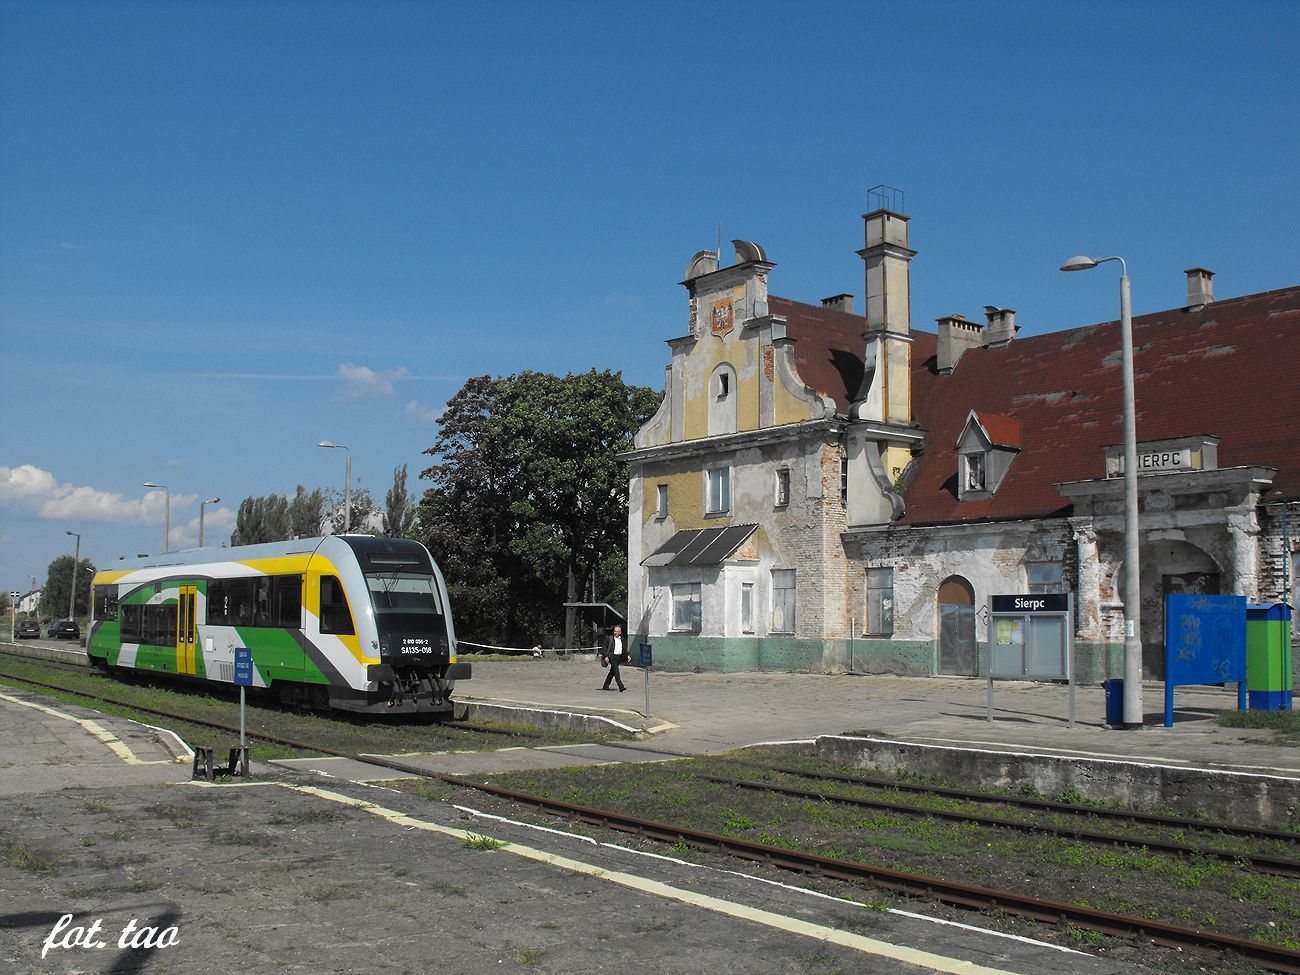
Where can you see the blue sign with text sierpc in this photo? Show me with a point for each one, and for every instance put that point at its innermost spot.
(244, 666)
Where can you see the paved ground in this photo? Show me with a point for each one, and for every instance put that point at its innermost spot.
(299, 873)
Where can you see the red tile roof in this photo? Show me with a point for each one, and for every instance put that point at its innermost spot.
(1230, 370)
(1002, 431)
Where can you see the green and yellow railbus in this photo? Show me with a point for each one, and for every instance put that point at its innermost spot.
(350, 622)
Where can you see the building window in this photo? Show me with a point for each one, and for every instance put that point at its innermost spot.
(719, 490)
(974, 471)
(1044, 576)
(783, 487)
(746, 607)
(686, 607)
(724, 385)
(844, 479)
(880, 602)
(782, 601)
(661, 504)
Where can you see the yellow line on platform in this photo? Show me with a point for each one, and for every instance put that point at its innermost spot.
(808, 929)
(107, 737)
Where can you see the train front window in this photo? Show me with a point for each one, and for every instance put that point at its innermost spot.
(405, 602)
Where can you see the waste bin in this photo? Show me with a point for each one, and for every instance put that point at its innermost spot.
(1114, 701)
(1268, 656)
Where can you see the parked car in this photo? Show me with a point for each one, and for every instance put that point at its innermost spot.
(65, 630)
(27, 629)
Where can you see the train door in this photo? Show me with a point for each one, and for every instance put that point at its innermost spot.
(185, 629)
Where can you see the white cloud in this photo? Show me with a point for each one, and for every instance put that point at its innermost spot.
(217, 525)
(362, 381)
(425, 414)
(30, 487)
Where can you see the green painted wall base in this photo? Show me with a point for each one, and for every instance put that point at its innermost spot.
(1093, 662)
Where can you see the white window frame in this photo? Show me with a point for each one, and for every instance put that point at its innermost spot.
(746, 607)
(717, 502)
(685, 594)
(782, 487)
(661, 501)
(975, 471)
(1042, 585)
(880, 602)
(781, 602)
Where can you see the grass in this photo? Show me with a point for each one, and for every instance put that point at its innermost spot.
(473, 841)
(1285, 725)
(26, 858)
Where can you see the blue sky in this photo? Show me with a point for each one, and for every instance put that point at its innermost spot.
(228, 231)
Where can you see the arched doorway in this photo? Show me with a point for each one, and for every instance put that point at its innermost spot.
(958, 652)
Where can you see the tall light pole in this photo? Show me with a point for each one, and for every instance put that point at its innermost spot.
(72, 597)
(167, 514)
(202, 505)
(1132, 591)
(347, 483)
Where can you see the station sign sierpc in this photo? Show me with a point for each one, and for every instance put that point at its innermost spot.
(1031, 637)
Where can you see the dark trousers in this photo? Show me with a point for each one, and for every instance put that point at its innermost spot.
(613, 674)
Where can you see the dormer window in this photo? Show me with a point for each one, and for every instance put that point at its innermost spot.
(987, 446)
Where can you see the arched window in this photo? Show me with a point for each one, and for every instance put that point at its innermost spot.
(958, 652)
(722, 400)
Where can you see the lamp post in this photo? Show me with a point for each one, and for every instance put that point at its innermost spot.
(347, 483)
(167, 514)
(72, 596)
(1132, 591)
(202, 505)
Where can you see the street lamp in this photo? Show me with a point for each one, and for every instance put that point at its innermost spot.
(1132, 591)
(167, 514)
(203, 504)
(72, 597)
(347, 483)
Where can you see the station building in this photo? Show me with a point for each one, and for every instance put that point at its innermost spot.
(824, 491)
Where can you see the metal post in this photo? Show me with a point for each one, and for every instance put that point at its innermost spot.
(202, 505)
(243, 738)
(72, 596)
(347, 492)
(1132, 587)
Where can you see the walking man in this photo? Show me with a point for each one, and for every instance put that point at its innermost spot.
(613, 654)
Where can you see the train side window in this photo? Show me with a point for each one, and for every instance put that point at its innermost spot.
(106, 603)
(334, 614)
(288, 599)
(262, 602)
(132, 618)
(218, 603)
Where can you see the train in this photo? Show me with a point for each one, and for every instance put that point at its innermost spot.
(353, 623)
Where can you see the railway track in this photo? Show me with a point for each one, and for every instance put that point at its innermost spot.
(461, 726)
(1273, 957)
(1269, 864)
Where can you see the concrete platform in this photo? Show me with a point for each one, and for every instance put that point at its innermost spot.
(50, 745)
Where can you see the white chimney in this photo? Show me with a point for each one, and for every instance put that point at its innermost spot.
(956, 335)
(1002, 326)
(840, 302)
(1200, 288)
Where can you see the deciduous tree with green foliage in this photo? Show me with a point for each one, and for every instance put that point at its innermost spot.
(529, 498)
(58, 587)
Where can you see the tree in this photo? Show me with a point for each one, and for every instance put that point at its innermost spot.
(363, 510)
(261, 519)
(307, 513)
(399, 512)
(58, 587)
(528, 495)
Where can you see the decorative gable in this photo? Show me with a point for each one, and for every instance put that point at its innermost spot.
(985, 449)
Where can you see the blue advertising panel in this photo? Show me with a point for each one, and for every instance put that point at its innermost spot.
(1205, 643)
(646, 656)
